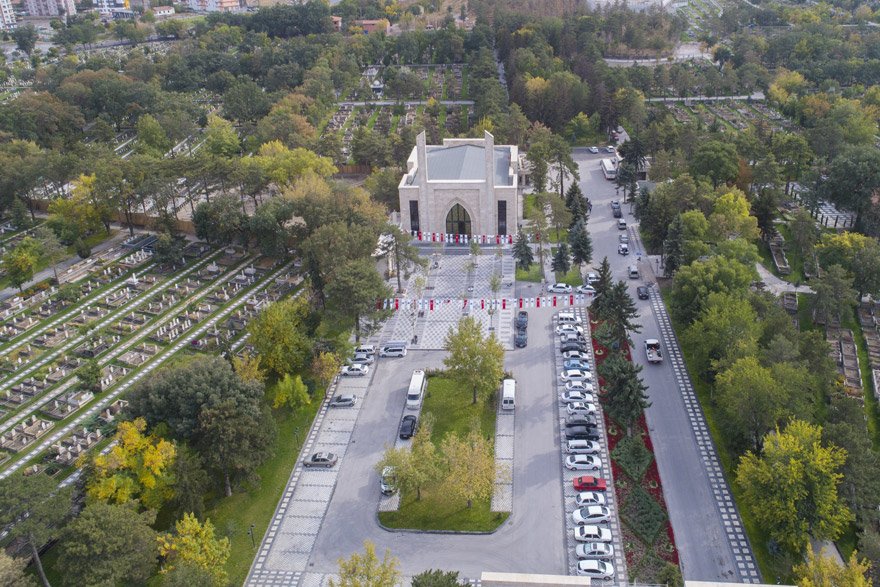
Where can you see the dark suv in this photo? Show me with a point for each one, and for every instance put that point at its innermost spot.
(615, 209)
(521, 340)
(522, 320)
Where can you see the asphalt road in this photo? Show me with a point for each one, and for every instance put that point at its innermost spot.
(532, 539)
(704, 547)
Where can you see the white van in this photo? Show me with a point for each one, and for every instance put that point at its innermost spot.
(568, 318)
(393, 349)
(416, 390)
(633, 272)
(621, 224)
(508, 394)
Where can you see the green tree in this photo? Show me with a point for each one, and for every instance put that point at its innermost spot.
(108, 545)
(353, 290)
(25, 38)
(152, 139)
(221, 139)
(791, 488)
(693, 284)
(193, 543)
(522, 252)
(751, 401)
(168, 250)
(717, 161)
(12, 571)
(191, 483)
(853, 178)
(618, 311)
(727, 329)
(581, 243)
(820, 570)
(366, 570)
(562, 259)
(382, 185)
(436, 577)
(21, 263)
(220, 221)
(417, 466)
(89, 375)
(34, 510)
(404, 254)
(731, 218)
(474, 361)
(470, 467)
(291, 392)
(673, 246)
(246, 101)
(793, 153)
(625, 392)
(51, 250)
(834, 292)
(560, 215)
(279, 335)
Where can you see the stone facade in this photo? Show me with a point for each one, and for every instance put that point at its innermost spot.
(474, 173)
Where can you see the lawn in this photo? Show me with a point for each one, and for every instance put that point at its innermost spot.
(533, 274)
(572, 278)
(233, 516)
(561, 237)
(530, 204)
(450, 405)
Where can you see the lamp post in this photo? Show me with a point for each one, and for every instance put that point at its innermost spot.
(251, 534)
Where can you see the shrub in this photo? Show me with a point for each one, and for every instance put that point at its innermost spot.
(643, 515)
(633, 457)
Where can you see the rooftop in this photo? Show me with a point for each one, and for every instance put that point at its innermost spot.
(467, 162)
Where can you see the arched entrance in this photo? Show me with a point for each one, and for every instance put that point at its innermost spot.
(458, 221)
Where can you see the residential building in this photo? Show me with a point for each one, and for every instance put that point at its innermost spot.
(7, 16)
(462, 187)
(215, 5)
(373, 25)
(162, 11)
(50, 7)
(337, 23)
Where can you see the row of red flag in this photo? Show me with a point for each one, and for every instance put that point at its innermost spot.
(463, 239)
(482, 303)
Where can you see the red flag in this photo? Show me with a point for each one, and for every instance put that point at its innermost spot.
(396, 303)
(538, 301)
(520, 303)
(432, 305)
(571, 300)
(504, 303)
(554, 301)
(465, 303)
(482, 304)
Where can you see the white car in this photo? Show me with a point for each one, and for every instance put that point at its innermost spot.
(586, 289)
(588, 498)
(582, 447)
(582, 386)
(623, 249)
(600, 550)
(356, 370)
(592, 533)
(593, 150)
(560, 288)
(576, 375)
(569, 329)
(575, 396)
(591, 514)
(362, 359)
(623, 238)
(580, 356)
(581, 408)
(595, 569)
(611, 149)
(583, 463)
(365, 349)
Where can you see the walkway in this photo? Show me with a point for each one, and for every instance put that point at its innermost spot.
(777, 285)
(405, 103)
(756, 97)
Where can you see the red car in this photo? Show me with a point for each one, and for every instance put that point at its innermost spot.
(589, 483)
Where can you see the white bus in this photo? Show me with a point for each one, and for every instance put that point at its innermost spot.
(416, 390)
(609, 169)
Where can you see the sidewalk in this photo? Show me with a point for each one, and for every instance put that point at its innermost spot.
(777, 285)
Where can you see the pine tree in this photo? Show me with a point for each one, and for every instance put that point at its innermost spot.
(522, 252)
(673, 246)
(625, 392)
(602, 287)
(581, 244)
(562, 259)
(573, 194)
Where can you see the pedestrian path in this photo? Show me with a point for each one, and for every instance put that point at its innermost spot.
(502, 497)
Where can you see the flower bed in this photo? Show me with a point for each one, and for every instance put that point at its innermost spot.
(648, 540)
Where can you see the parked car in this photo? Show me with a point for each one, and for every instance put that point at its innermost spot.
(582, 433)
(586, 289)
(583, 386)
(623, 238)
(560, 288)
(569, 328)
(522, 319)
(572, 337)
(582, 447)
(597, 550)
(573, 345)
(366, 349)
(623, 249)
(362, 359)
(393, 350)
(592, 533)
(575, 396)
(575, 355)
(591, 514)
(521, 339)
(576, 375)
(581, 408)
(593, 150)
(610, 149)
(321, 459)
(589, 483)
(582, 364)
(621, 224)
(356, 370)
(343, 400)
(583, 463)
(586, 420)
(585, 498)
(592, 278)
(388, 481)
(595, 569)
(642, 292)
(408, 426)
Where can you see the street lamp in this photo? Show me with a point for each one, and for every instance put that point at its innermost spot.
(251, 534)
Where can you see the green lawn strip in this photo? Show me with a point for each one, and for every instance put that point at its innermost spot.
(94, 240)
(530, 203)
(451, 406)
(572, 278)
(850, 321)
(395, 120)
(232, 516)
(464, 84)
(758, 537)
(558, 237)
(533, 274)
(795, 261)
(371, 122)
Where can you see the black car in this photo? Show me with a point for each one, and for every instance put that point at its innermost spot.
(573, 346)
(522, 320)
(587, 421)
(642, 292)
(521, 339)
(582, 433)
(408, 426)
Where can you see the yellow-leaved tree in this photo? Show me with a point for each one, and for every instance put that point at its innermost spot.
(138, 467)
(194, 543)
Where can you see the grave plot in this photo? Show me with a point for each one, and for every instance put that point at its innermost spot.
(159, 304)
(63, 367)
(18, 325)
(136, 258)
(196, 250)
(25, 434)
(139, 355)
(232, 256)
(18, 358)
(199, 312)
(23, 392)
(129, 323)
(184, 288)
(89, 314)
(110, 374)
(51, 308)
(95, 346)
(108, 414)
(54, 336)
(66, 403)
(68, 450)
(171, 331)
